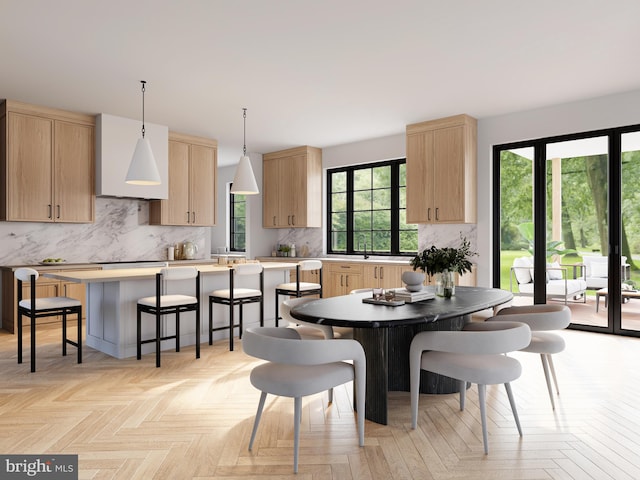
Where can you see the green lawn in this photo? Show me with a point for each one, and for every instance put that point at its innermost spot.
(507, 257)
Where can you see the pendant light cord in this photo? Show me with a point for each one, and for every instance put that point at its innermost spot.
(244, 132)
(143, 89)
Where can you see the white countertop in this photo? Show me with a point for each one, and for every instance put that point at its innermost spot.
(343, 259)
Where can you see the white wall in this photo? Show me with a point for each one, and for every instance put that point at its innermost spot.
(593, 114)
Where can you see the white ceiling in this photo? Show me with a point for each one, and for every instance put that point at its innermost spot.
(322, 72)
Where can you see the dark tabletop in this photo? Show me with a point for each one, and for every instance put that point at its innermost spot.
(350, 311)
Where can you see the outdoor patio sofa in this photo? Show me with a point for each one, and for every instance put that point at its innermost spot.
(597, 271)
(559, 284)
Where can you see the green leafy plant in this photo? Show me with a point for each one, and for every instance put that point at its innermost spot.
(434, 260)
(553, 246)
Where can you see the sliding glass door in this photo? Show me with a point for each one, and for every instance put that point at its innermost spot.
(630, 209)
(567, 216)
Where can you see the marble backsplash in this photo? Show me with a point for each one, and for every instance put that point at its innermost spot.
(121, 232)
(309, 241)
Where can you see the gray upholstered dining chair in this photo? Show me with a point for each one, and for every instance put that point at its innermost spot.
(541, 318)
(297, 368)
(475, 355)
(309, 329)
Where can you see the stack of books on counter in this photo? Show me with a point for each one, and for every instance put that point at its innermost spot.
(410, 297)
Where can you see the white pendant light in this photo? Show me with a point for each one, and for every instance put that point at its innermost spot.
(244, 182)
(143, 169)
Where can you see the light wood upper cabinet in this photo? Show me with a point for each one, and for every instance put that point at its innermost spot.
(442, 171)
(292, 188)
(47, 165)
(192, 183)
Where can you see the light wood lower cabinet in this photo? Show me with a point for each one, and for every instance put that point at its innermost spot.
(341, 278)
(382, 275)
(45, 287)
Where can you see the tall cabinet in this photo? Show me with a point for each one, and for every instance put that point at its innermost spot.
(192, 183)
(47, 158)
(292, 188)
(442, 171)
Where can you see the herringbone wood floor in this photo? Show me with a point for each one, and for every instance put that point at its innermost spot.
(191, 419)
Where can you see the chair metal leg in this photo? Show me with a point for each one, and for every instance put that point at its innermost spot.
(262, 310)
(79, 346)
(241, 320)
(231, 327)
(157, 339)
(177, 331)
(297, 417)
(19, 337)
(482, 395)
(64, 334)
(263, 397)
(545, 367)
(198, 332)
(512, 401)
(277, 313)
(463, 394)
(414, 389)
(139, 332)
(33, 343)
(553, 372)
(210, 321)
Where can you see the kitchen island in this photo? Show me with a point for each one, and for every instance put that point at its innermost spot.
(112, 296)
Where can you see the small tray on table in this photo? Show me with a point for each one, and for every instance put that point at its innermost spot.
(382, 301)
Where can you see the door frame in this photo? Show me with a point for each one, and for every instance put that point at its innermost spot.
(614, 221)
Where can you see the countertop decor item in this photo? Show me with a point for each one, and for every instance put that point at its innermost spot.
(414, 281)
(443, 263)
(143, 169)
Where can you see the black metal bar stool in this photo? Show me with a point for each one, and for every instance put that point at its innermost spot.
(159, 305)
(237, 296)
(45, 307)
(298, 288)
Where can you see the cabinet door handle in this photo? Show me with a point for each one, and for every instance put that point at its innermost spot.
(58, 207)
(429, 214)
(293, 219)
(188, 216)
(194, 217)
(347, 281)
(274, 220)
(381, 273)
(50, 215)
(437, 214)
(341, 284)
(375, 272)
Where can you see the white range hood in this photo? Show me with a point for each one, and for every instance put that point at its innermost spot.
(116, 139)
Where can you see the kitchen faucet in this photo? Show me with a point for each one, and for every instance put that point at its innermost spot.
(365, 247)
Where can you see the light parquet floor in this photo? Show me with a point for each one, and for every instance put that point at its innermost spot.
(191, 419)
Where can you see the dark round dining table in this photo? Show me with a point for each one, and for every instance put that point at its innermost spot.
(385, 333)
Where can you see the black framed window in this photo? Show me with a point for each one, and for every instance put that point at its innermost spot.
(237, 222)
(366, 208)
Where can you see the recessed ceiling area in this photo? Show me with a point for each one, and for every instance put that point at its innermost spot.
(318, 73)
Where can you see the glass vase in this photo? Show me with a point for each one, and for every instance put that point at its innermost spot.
(445, 284)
